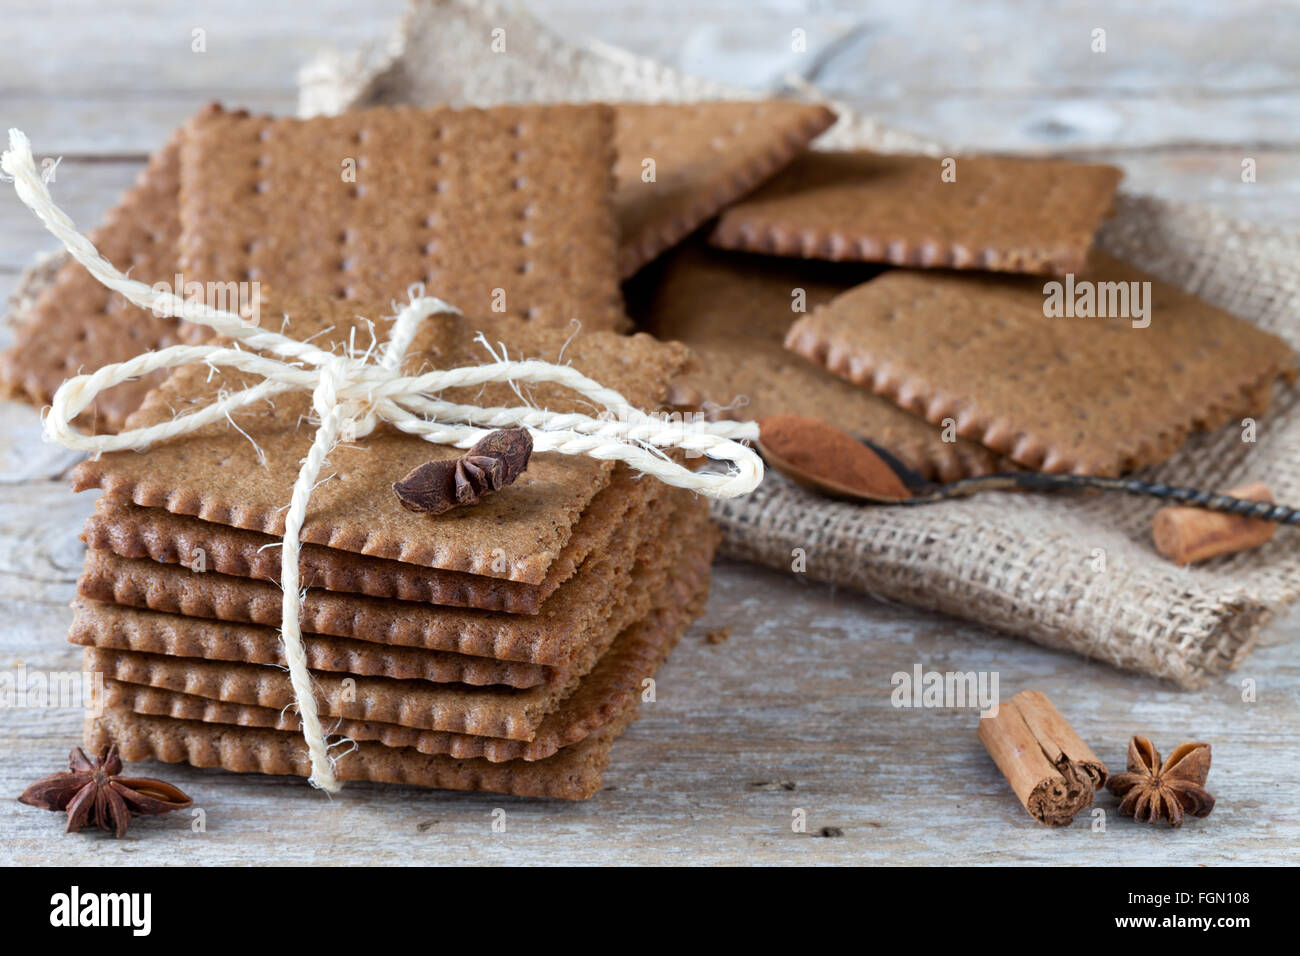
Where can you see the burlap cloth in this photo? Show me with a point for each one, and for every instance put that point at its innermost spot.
(1076, 573)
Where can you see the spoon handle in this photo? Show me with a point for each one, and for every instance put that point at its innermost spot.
(1190, 497)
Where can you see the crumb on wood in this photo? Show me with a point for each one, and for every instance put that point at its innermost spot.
(717, 635)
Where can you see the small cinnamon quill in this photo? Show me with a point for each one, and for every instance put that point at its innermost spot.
(1052, 771)
(494, 462)
(1189, 535)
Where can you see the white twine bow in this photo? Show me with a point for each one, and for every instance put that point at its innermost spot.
(353, 393)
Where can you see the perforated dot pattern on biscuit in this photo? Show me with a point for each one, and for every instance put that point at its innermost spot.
(550, 156)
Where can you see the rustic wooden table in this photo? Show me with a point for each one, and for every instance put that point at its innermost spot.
(793, 711)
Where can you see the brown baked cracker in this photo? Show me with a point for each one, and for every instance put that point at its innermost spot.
(1083, 395)
(97, 624)
(134, 532)
(734, 310)
(582, 610)
(704, 155)
(531, 185)
(245, 480)
(498, 211)
(571, 774)
(604, 694)
(1000, 213)
(78, 325)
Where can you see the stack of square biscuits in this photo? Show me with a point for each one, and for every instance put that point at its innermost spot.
(498, 647)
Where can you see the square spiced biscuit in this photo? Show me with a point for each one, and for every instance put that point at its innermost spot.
(1002, 214)
(133, 605)
(553, 223)
(145, 631)
(497, 712)
(562, 756)
(498, 211)
(734, 311)
(1085, 395)
(602, 697)
(155, 533)
(243, 477)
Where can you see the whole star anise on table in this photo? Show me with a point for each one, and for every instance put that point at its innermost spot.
(1152, 790)
(94, 791)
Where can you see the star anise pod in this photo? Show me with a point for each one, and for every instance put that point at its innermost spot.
(1152, 790)
(494, 462)
(94, 791)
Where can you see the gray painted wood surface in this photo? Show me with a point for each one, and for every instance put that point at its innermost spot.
(793, 711)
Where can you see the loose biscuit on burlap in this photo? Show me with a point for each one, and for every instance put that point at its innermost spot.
(134, 532)
(1085, 395)
(710, 143)
(734, 311)
(244, 477)
(604, 694)
(1003, 214)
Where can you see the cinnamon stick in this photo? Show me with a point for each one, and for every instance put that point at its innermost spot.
(1058, 739)
(1052, 771)
(1188, 535)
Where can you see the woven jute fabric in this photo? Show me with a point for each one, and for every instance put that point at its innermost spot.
(1078, 573)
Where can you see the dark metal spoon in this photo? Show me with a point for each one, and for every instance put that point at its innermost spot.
(921, 491)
